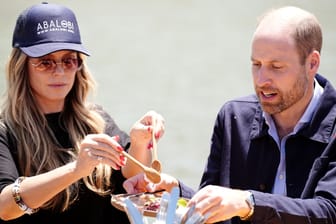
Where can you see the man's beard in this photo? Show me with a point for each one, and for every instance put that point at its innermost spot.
(286, 99)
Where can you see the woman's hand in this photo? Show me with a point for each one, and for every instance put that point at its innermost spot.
(139, 183)
(96, 149)
(141, 131)
(141, 141)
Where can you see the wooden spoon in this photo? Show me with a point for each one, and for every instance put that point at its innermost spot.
(156, 164)
(151, 173)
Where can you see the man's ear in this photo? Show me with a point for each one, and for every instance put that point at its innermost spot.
(313, 61)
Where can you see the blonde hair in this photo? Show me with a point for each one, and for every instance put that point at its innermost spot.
(42, 152)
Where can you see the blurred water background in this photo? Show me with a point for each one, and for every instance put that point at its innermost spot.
(182, 58)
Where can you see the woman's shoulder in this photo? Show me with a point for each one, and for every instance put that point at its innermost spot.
(6, 136)
(100, 110)
(3, 128)
(111, 127)
(95, 107)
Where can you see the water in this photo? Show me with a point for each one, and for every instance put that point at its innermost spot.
(182, 58)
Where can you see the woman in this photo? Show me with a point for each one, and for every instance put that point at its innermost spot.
(60, 157)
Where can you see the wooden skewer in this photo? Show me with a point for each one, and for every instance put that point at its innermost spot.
(152, 174)
(156, 164)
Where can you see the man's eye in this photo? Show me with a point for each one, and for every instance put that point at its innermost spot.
(276, 66)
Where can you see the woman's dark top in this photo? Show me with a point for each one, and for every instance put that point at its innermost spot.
(89, 207)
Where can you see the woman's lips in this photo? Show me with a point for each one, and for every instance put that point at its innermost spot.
(57, 84)
(57, 87)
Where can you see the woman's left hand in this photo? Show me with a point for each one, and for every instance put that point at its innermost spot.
(141, 131)
(141, 141)
(140, 183)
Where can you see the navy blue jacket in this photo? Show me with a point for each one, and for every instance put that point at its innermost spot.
(243, 155)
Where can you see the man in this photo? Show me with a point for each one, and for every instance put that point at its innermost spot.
(263, 148)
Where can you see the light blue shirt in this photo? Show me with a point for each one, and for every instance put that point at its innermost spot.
(279, 186)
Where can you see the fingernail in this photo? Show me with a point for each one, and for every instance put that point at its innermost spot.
(119, 148)
(149, 129)
(122, 160)
(116, 138)
(150, 145)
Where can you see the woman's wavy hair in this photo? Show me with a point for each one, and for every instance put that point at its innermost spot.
(38, 149)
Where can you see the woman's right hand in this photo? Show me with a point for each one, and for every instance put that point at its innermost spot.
(96, 149)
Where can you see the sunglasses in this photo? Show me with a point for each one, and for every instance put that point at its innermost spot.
(49, 65)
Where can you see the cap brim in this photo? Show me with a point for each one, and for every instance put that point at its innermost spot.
(47, 48)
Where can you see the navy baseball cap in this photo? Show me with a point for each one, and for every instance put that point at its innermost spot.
(45, 28)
